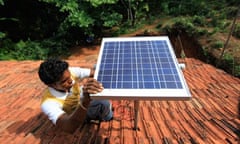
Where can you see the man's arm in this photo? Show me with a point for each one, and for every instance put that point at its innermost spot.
(82, 72)
(70, 123)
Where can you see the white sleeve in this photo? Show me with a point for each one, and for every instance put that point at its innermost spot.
(80, 72)
(53, 110)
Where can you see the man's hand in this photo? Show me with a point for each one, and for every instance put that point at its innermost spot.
(92, 86)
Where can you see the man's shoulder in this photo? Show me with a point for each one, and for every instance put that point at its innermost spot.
(49, 97)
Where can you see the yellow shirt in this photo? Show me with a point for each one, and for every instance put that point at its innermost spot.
(70, 103)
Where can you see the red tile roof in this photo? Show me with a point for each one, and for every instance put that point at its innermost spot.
(211, 116)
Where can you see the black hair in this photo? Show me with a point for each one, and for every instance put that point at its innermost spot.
(51, 70)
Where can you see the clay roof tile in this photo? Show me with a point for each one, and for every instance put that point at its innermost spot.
(211, 116)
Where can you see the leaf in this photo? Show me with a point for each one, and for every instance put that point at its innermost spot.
(1, 2)
(97, 3)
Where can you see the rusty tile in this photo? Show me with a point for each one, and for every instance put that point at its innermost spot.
(104, 129)
(214, 131)
(203, 114)
(165, 114)
(196, 103)
(129, 140)
(194, 115)
(194, 129)
(18, 138)
(115, 140)
(147, 115)
(152, 130)
(31, 139)
(127, 128)
(163, 129)
(210, 117)
(4, 125)
(230, 131)
(116, 133)
(14, 126)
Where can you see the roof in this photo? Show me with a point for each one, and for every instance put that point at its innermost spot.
(211, 116)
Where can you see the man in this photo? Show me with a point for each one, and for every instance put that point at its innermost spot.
(67, 104)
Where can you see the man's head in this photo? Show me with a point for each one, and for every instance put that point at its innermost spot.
(55, 73)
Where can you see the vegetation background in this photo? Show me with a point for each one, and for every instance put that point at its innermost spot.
(37, 29)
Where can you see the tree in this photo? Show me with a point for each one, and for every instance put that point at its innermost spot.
(86, 15)
(1, 2)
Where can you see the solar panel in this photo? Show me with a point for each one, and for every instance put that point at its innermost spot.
(139, 68)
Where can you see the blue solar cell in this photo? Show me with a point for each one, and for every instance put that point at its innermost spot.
(127, 78)
(163, 85)
(107, 78)
(161, 77)
(138, 64)
(108, 66)
(179, 84)
(171, 85)
(107, 85)
(149, 85)
(169, 78)
(166, 65)
(148, 78)
(176, 77)
(126, 85)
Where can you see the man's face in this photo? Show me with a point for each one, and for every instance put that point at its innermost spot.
(65, 83)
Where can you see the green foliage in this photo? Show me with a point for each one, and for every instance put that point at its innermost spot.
(185, 24)
(87, 17)
(80, 19)
(185, 7)
(201, 32)
(53, 47)
(1, 2)
(21, 50)
(199, 20)
(214, 31)
(164, 6)
(10, 19)
(76, 15)
(28, 50)
(2, 35)
(218, 19)
(111, 19)
(218, 44)
(32, 50)
(236, 31)
(237, 71)
(96, 3)
(159, 26)
(230, 11)
(223, 25)
(140, 8)
(228, 58)
(228, 64)
(54, 25)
